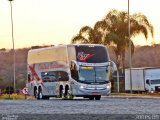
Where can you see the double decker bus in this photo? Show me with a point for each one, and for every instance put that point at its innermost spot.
(82, 70)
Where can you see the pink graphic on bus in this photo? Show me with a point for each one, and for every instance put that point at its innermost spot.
(83, 57)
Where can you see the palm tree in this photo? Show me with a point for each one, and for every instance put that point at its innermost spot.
(115, 28)
(88, 35)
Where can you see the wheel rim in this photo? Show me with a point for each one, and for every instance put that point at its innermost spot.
(40, 95)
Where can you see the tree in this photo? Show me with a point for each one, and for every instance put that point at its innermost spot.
(2, 49)
(113, 30)
(88, 35)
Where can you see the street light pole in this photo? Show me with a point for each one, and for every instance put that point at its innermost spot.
(130, 62)
(13, 47)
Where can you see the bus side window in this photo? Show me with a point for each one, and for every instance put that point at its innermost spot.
(63, 76)
(74, 72)
(49, 76)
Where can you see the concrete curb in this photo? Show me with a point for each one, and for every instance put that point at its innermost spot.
(133, 97)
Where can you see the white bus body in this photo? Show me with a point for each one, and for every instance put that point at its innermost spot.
(69, 70)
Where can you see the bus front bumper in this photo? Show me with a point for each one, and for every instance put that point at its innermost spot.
(92, 91)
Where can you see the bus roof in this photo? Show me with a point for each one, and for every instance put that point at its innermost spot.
(65, 45)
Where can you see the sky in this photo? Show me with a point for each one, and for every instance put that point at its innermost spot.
(53, 22)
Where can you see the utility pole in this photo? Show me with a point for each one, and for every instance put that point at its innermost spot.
(13, 47)
(130, 52)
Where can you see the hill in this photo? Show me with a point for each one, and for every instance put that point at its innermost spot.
(144, 56)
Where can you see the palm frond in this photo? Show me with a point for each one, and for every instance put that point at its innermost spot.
(79, 39)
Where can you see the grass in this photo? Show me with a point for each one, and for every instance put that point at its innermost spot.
(137, 94)
(23, 97)
(15, 96)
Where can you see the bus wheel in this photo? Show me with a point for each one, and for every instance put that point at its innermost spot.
(65, 94)
(60, 91)
(36, 94)
(69, 96)
(97, 97)
(91, 98)
(40, 96)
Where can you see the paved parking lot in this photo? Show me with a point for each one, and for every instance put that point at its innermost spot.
(82, 107)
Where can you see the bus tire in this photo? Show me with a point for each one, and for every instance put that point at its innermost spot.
(97, 97)
(40, 95)
(91, 98)
(35, 92)
(61, 91)
(65, 94)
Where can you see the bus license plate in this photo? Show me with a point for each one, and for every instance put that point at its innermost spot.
(95, 93)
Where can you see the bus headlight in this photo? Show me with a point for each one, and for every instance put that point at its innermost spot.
(109, 85)
(82, 87)
(152, 91)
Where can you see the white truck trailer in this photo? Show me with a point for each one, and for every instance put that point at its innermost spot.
(143, 79)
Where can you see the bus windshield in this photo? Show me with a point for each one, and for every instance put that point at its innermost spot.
(89, 74)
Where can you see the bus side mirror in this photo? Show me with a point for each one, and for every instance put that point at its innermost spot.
(74, 71)
(113, 66)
